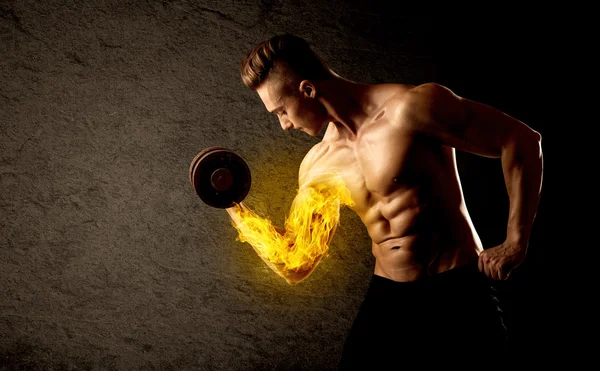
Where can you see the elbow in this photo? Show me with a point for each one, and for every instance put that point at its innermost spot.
(524, 145)
(536, 139)
(531, 142)
(528, 135)
(294, 277)
(297, 277)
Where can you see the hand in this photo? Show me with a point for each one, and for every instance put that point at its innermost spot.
(499, 262)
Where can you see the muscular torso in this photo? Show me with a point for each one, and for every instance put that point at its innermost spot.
(407, 193)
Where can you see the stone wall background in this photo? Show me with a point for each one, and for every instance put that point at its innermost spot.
(109, 260)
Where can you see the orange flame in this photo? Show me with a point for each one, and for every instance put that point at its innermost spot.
(315, 213)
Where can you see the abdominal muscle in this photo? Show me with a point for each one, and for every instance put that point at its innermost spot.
(411, 245)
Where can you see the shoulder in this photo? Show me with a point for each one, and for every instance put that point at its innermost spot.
(316, 165)
(430, 88)
(315, 152)
(309, 161)
(424, 103)
(407, 96)
(430, 96)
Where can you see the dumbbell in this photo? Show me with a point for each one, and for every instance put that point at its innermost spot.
(220, 177)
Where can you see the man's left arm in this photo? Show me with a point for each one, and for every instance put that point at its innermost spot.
(484, 130)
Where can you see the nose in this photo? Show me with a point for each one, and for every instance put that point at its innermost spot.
(286, 125)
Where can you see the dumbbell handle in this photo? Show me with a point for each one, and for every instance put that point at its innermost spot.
(221, 179)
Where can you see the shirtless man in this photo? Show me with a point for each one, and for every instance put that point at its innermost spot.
(395, 146)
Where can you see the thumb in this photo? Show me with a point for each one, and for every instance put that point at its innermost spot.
(480, 262)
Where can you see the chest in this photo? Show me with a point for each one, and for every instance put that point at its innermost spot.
(381, 162)
(388, 158)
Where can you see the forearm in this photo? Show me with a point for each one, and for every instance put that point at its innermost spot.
(259, 232)
(522, 164)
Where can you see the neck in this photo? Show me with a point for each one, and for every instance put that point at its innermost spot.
(348, 104)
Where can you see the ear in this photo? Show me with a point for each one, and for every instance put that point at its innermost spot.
(308, 89)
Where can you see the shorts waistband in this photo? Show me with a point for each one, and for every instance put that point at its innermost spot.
(468, 273)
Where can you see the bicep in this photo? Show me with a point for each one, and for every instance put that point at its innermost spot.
(462, 123)
(315, 207)
(320, 196)
(315, 211)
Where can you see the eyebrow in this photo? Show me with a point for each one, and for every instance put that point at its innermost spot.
(275, 109)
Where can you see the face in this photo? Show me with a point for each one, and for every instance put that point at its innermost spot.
(296, 108)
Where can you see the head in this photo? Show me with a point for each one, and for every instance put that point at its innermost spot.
(285, 73)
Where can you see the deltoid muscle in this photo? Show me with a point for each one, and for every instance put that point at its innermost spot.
(314, 214)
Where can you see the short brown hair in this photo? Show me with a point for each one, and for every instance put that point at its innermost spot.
(292, 50)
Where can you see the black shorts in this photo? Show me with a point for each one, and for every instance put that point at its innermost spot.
(447, 318)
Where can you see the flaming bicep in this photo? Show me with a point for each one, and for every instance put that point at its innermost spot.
(315, 213)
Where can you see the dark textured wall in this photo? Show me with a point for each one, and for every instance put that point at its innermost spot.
(109, 260)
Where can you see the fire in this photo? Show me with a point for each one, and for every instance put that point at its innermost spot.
(314, 214)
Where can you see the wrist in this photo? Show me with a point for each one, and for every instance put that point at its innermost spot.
(518, 235)
(518, 242)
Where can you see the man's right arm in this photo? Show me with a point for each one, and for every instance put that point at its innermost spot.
(310, 226)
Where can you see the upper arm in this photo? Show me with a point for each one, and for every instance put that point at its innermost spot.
(308, 172)
(319, 198)
(461, 123)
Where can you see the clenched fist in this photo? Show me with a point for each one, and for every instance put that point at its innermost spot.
(498, 262)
